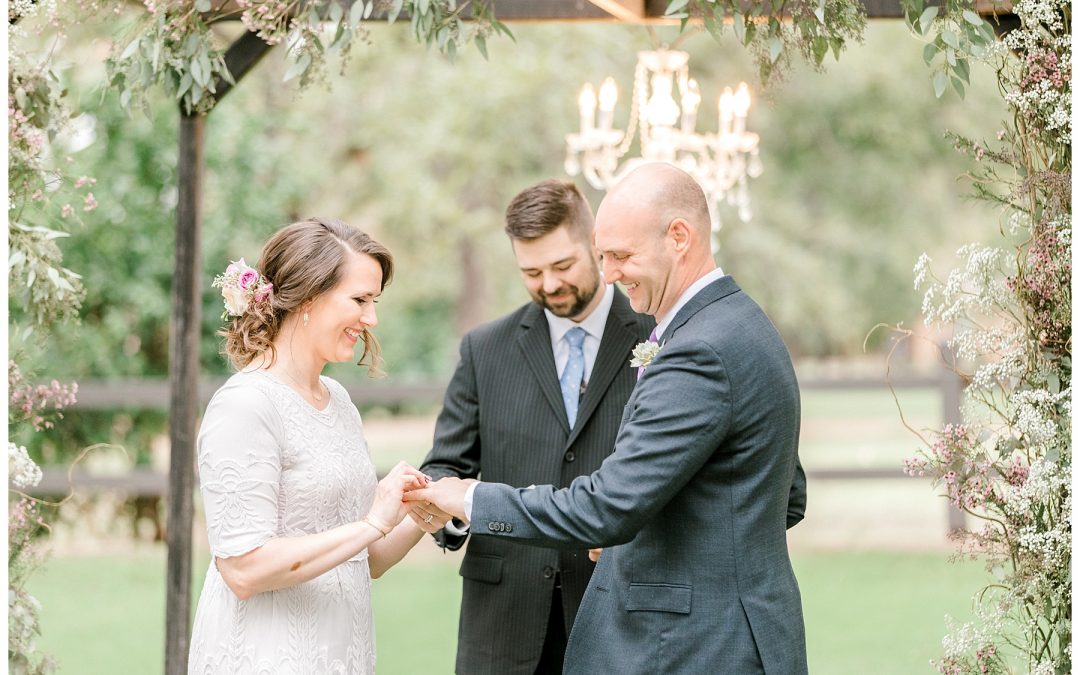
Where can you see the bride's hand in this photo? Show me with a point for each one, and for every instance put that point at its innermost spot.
(388, 510)
(429, 517)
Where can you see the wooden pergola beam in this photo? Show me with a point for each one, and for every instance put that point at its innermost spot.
(642, 12)
(627, 11)
(639, 12)
(653, 11)
(242, 56)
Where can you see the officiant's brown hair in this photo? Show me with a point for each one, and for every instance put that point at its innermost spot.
(542, 208)
(302, 260)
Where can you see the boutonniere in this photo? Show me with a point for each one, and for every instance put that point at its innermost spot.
(644, 353)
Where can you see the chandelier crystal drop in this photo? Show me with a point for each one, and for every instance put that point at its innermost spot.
(720, 162)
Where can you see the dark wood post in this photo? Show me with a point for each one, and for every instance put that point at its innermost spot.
(183, 391)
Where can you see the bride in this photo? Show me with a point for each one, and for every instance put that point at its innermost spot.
(298, 525)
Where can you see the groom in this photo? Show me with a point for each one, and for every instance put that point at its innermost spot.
(693, 504)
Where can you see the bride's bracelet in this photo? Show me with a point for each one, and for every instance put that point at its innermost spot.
(370, 521)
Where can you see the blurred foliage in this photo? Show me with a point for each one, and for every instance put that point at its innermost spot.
(425, 155)
(173, 44)
(774, 32)
(133, 430)
(859, 180)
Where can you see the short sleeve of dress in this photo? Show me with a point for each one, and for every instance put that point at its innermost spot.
(240, 469)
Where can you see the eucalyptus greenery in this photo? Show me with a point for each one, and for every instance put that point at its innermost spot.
(43, 201)
(174, 44)
(773, 30)
(954, 34)
(1009, 309)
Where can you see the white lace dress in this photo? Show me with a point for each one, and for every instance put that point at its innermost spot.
(271, 465)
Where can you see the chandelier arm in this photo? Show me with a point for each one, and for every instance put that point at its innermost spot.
(653, 37)
(693, 30)
(635, 112)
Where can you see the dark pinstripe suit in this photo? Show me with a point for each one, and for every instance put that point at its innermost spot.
(503, 420)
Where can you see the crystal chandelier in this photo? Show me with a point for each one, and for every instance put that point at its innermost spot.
(719, 161)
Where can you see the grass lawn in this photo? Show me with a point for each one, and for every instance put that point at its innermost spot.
(876, 612)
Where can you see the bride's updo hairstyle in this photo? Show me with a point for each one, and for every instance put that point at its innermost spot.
(302, 261)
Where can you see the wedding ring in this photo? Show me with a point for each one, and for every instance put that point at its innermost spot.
(430, 517)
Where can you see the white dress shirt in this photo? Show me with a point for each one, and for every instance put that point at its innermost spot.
(594, 331)
(558, 327)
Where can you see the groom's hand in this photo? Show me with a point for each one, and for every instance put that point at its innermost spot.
(427, 516)
(446, 493)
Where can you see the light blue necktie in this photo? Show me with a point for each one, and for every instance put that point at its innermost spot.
(570, 382)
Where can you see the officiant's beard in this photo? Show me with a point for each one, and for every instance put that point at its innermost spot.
(577, 302)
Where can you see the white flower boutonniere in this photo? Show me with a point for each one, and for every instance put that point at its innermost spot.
(644, 353)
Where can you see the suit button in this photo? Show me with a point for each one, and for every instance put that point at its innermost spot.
(507, 527)
(492, 526)
(569, 456)
(548, 573)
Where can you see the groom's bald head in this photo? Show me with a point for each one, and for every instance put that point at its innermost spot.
(666, 193)
(653, 234)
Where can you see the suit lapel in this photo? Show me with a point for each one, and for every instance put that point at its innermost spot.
(615, 345)
(534, 339)
(721, 288)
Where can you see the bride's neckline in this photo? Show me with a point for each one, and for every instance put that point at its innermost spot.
(277, 380)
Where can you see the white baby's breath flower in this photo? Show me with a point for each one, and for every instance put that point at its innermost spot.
(21, 469)
(1044, 668)
(922, 268)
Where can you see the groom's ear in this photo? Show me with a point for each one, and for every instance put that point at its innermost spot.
(680, 234)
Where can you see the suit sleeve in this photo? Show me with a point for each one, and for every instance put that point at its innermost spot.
(675, 423)
(456, 448)
(797, 496)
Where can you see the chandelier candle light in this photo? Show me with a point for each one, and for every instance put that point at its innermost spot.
(719, 161)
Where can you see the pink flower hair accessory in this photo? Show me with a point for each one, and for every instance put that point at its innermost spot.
(241, 288)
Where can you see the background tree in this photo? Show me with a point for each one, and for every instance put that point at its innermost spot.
(429, 171)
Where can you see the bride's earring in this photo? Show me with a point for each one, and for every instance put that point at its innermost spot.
(305, 318)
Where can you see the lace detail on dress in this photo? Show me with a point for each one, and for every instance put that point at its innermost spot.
(272, 465)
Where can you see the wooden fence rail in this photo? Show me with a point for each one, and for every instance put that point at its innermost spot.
(154, 394)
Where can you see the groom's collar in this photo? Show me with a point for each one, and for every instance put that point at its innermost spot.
(710, 293)
(687, 295)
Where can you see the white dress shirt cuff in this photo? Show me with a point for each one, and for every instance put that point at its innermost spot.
(468, 501)
(458, 530)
